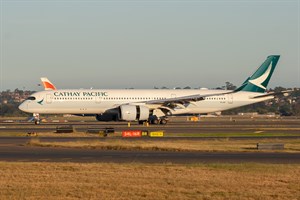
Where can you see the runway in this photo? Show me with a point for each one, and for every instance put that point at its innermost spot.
(15, 149)
(175, 126)
(42, 154)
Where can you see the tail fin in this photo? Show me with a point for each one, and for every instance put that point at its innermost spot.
(47, 84)
(259, 80)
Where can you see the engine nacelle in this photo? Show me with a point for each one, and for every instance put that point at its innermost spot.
(107, 117)
(134, 112)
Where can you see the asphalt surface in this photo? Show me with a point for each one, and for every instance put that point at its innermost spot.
(42, 154)
(287, 128)
(218, 125)
(15, 148)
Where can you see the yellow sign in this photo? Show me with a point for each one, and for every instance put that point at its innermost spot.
(156, 134)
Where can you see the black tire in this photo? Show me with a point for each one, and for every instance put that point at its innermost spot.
(155, 121)
(37, 122)
(163, 121)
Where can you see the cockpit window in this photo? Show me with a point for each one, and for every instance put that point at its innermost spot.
(31, 98)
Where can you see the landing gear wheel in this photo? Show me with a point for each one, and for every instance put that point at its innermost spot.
(163, 121)
(36, 117)
(155, 121)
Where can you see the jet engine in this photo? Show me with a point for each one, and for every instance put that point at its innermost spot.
(133, 112)
(107, 117)
(125, 113)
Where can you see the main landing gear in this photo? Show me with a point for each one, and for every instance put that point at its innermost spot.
(156, 121)
(162, 121)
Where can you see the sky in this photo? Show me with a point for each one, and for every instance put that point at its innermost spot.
(144, 44)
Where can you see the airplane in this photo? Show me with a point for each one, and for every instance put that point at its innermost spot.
(150, 105)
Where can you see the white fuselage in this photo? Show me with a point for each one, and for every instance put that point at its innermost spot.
(98, 101)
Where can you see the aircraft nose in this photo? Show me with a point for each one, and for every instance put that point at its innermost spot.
(23, 106)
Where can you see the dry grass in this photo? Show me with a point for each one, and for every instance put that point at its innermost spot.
(142, 181)
(172, 145)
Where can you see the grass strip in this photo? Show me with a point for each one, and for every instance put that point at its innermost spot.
(222, 145)
(42, 180)
(233, 134)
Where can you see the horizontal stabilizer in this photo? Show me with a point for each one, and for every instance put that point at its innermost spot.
(284, 93)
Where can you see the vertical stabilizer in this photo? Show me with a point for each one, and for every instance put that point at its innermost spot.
(47, 84)
(258, 82)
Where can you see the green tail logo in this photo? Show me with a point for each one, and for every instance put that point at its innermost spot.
(259, 80)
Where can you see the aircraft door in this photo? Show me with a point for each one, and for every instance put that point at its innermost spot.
(230, 98)
(48, 98)
(98, 99)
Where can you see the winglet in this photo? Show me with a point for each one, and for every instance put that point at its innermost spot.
(47, 84)
(261, 77)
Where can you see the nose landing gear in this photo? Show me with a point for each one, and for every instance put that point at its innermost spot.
(36, 117)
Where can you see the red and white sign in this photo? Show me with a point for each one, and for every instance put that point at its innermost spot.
(132, 133)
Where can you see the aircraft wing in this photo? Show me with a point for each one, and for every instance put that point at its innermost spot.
(184, 99)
